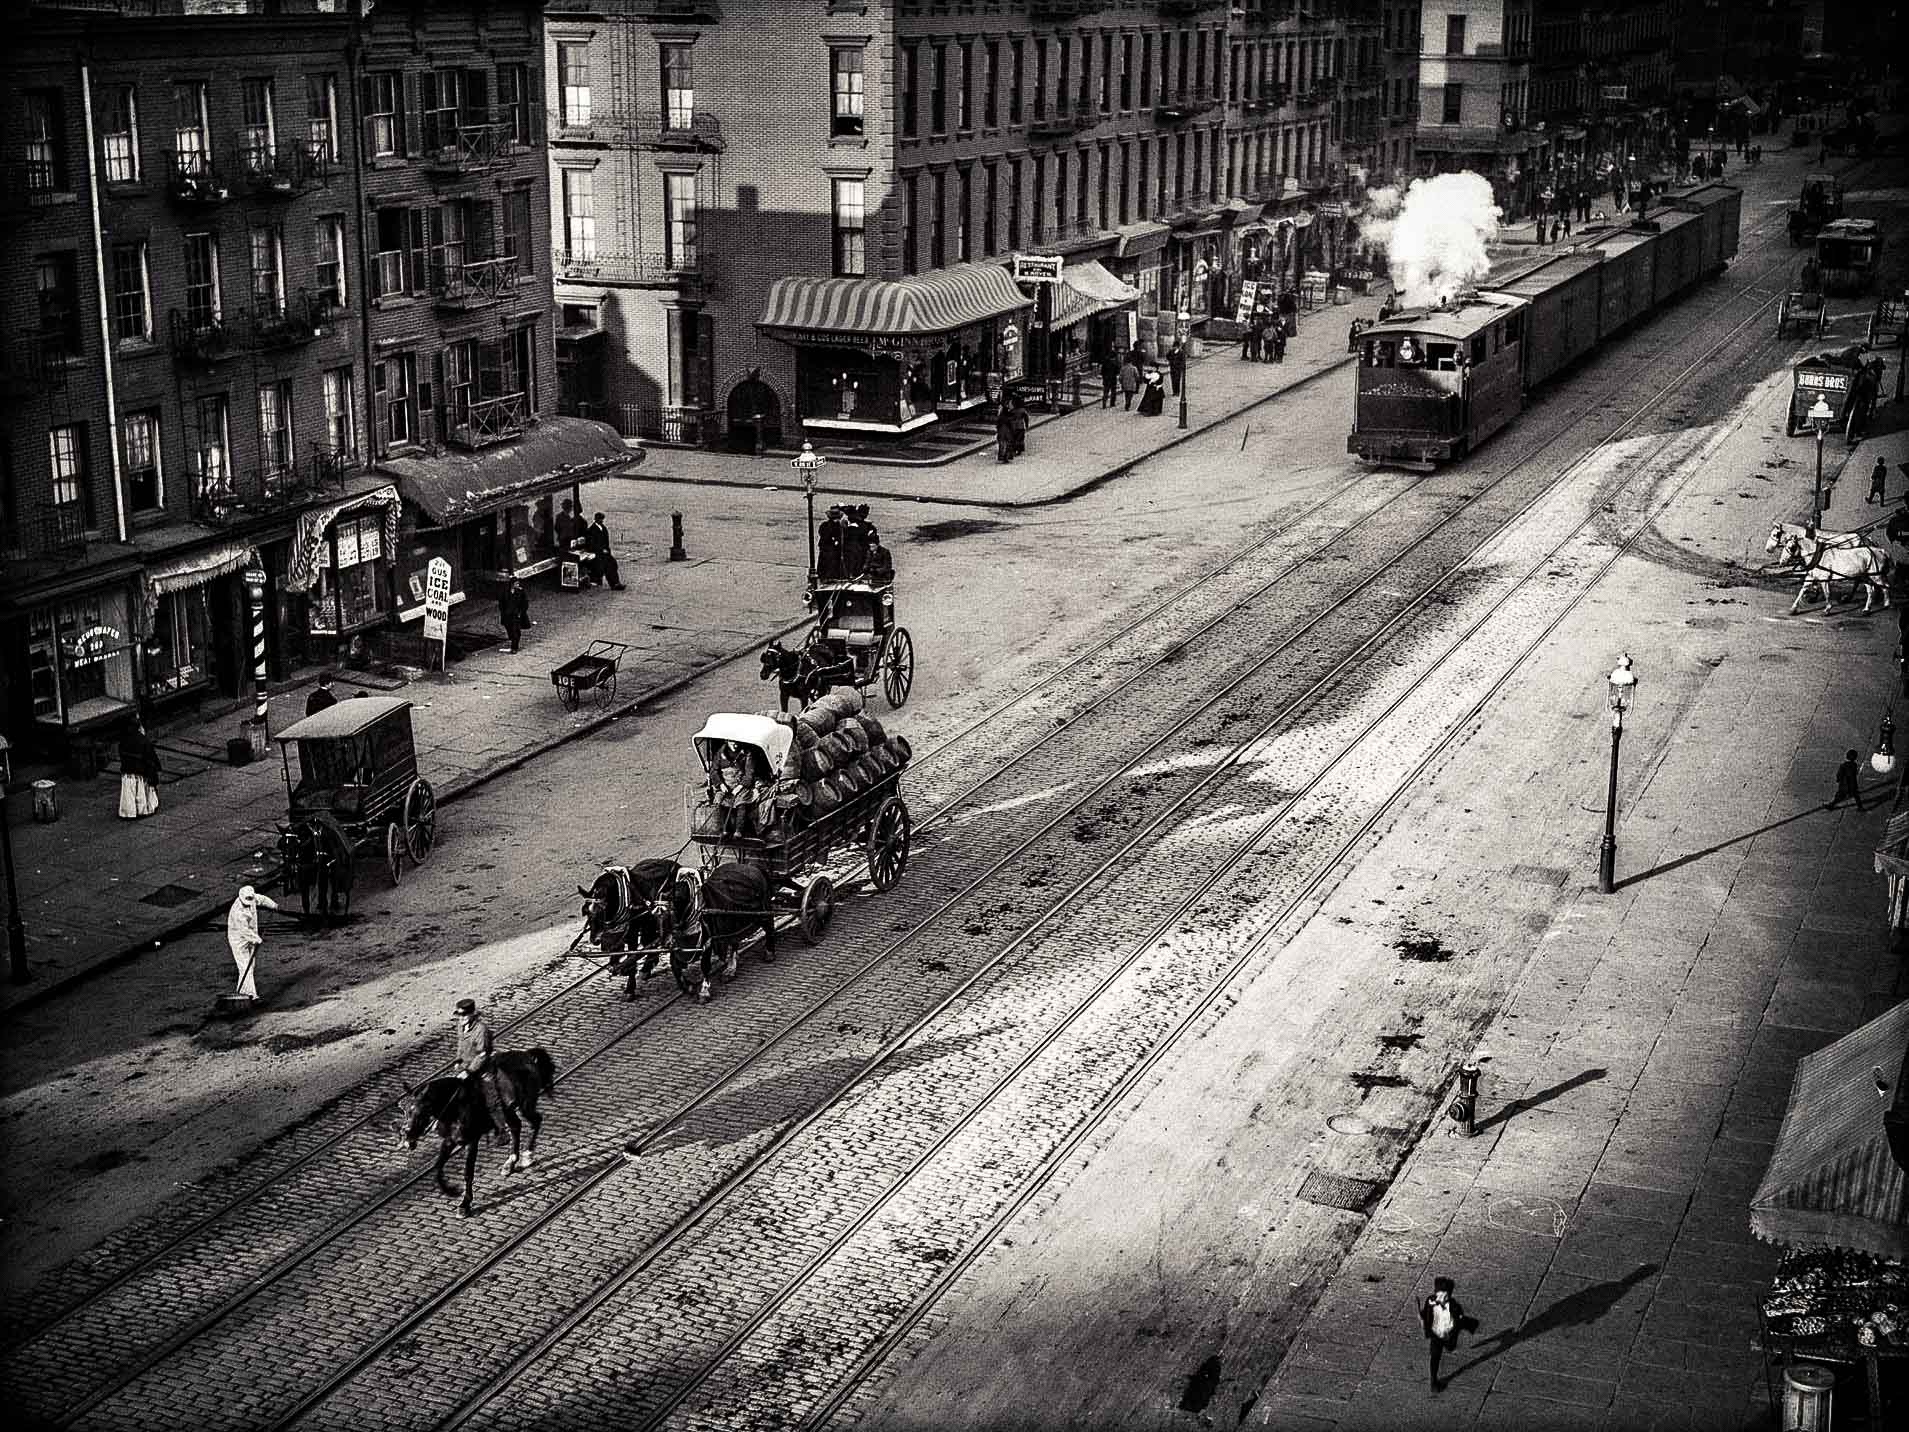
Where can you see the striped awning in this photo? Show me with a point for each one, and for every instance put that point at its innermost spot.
(1832, 1181)
(1086, 288)
(919, 306)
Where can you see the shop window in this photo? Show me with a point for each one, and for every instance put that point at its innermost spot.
(850, 222)
(79, 658)
(179, 651)
(351, 590)
(46, 141)
(321, 118)
(119, 133)
(145, 490)
(845, 87)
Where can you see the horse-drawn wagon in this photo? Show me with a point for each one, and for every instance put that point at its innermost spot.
(785, 805)
(1819, 201)
(1847, 252)
(1842, 380)
(358, 790)
(1802, 306)
(855, 641)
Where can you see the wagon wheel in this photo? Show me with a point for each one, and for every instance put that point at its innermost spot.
(394, 851)
(888, 844)
(334, 869)
(687, 967)
(606, 690)
(898, 666)
(1782, 316)
(1822, 313)
(818, 908)
(569, 695)
(420, 820)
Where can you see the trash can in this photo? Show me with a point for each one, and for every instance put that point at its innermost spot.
(238, 751)
(255, 734)
(1807, 1392)
(46, 801)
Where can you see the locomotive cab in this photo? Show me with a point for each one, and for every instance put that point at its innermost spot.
(1433, 384)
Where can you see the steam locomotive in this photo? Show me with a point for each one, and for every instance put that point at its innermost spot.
(1434, 383)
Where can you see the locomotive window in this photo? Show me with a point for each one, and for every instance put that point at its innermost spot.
(1514, 327)
(1478, 349)
(1379, 353)
(1442, 356)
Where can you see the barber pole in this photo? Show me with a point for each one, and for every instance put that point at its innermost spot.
(254, 579)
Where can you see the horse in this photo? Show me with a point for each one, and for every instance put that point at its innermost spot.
(785, 668)
(1826, 564)
(626, 913)
(1789, 537)
(456, 1107)
(710, 915)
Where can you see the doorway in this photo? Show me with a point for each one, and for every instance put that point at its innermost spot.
(754, 413)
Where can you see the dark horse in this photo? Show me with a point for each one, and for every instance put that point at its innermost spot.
(456, 1106)
(710, 915)
(626, 914)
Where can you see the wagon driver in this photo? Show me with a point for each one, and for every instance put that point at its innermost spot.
(474, 1062)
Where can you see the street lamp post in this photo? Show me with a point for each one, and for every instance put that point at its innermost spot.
(809, 464)
(1623, 689)
(1820, 417)
(1186, 321)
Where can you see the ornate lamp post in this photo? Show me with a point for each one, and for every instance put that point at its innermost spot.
(1820, 417)
(808, 463)
(1623, 691)
(1186, 327)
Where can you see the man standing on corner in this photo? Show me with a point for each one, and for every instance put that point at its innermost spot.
(513, 609)
(1109, 378)
(1176, 365)
(596, 541)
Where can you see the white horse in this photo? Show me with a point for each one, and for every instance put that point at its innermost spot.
(1824, 564)
(1789, 537)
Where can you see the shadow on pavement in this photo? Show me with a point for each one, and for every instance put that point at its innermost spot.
(1580, 1309)
(1542, 1097)
(1722, 845)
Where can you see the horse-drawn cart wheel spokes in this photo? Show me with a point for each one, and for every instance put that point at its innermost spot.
(898, 667)
(394, 851)
(420, 820)
(335, 870)
(818, 908)
(888, 844)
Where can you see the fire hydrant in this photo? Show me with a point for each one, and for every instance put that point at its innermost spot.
(1464, 1109)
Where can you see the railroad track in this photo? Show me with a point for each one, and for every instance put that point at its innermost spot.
(1106, 657)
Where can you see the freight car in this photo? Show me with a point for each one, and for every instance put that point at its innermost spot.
(1434, 383)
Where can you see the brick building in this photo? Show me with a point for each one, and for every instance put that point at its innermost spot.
(1475, 94)
(1601, 76)
(207, 372)
(766, 215)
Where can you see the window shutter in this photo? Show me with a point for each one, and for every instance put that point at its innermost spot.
(419, 257)
(407, 92)
(364, 116)
(381, 408)
(427, 111)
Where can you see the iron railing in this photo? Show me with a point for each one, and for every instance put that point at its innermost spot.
(272, 173)
(288, 323)
(1063, 121)
(488, 420)
(697, 129)
(662, 423)
(464, 148)
(193, 180)
(198, 337)
(59, 531)
(31, 366)
(226, 497)
(473, 283)
(1178, 111)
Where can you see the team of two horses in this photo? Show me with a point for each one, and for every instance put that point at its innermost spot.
(636, 913)
(1827, 557)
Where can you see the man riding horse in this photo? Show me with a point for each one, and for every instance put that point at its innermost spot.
(474, 1062)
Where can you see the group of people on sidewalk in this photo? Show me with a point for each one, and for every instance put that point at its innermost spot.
(1130, 375)
(588, 544)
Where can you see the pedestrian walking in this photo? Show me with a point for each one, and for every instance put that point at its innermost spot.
(1129, 380)
(1019, 421)
(1279, 343)
(596, 541)
(1153, 402)
(513, 609)
(1249, 341)
(322, 698)
(1004, 435)
(1176, 365)
(243, 939)
(1109, 378)
(1878, 479)
(1441, 1317)
(1847, 785)
(138, 773)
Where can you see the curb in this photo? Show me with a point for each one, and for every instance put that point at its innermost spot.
(1079, 489)
(451, 792)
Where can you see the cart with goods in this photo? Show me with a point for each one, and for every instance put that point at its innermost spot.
(592, 673)
(1842, 380)
(1847, 252)
(358, 791)
(1802, 307)
(1818, 202)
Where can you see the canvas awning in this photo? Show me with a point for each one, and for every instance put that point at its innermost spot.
(919, 306)
(1143, 238)
(191, 569)
(308, 539)
(1086, 289)
(454, 487)
(1832, 1181)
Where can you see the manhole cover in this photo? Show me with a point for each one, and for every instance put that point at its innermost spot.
(1334, 1190)
(1348, 1124)
(167, 896)
(1539, 874)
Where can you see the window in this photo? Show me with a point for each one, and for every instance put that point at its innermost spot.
(202, 280)
(1081, 163)
(397, 255)
(395, 383)
(937, 237)
(579, 216)
(1040, 79)
(1038, 218)
(964, 106)
(513, 103)
(938, 93)
(1454, 104)
(845, 90)
(910, 79)
(964, 196)
(191, 153)
(1126, 71)
(1107, 71)
(573, 70)
(268, 277)
(517, 236)
(353, 594)
(679, 87)
(911, 221)
(132, 295)
(1086, 72)
(1014, 204)
(328, 260)
(1063, 74)
(1018, 81)
(275, 429)
(679, 207)
(119, 133)
(56, 284)
(46, 141)
(988, 212)
(1106, 183)
(321, 118)
(443, 104)
(211, 468)
(1146, 70)
(341, 420)
(991, 96)
(1454, 34)
(851, 223)
(258, 136)
(72, 485)
(381, 114)
(144, 490)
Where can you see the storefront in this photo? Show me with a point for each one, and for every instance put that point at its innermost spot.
(1091, 316)
(890, 356)
(80, 660)
(339, 565)
(492, 514)
(1138, 259)
(186, 600)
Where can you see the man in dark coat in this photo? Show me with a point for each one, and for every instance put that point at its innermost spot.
(1109, 379)
(513, 608)
(567, 528)
(1019, 421)
(1279, 343)
(828, 546)
(1129, 380)
(1440, 1316)
(321, 698)
(1176, 365)
(596, 541)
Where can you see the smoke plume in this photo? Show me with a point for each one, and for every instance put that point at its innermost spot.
(1435, 236)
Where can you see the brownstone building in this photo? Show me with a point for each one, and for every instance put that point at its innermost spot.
(772, 220)
(275, 271)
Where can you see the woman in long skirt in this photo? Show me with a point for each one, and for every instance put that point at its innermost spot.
(139, 773)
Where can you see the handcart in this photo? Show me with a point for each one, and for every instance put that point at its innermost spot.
(592, 672)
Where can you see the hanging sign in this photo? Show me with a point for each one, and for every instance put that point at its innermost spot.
(1010, 335)
(437, 604)
(1037, 268)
